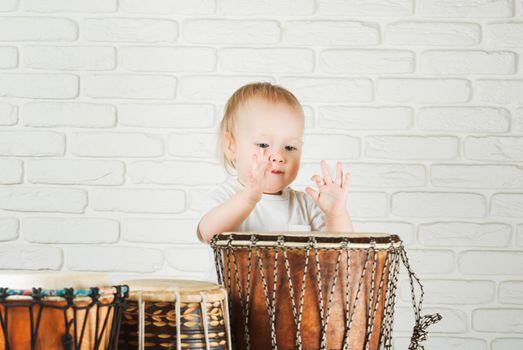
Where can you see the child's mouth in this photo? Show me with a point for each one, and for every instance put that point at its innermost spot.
(277, 172)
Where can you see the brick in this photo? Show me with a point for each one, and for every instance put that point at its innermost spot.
(376, 175)
(166, 7)
(130, 30)
(507, 344)
(469, 8)
(494, 148)
(159, 230)
(411, 147)
(427, 33)
(498, 320)
(335, 147)
(115, 259)
(215, 88)
(404, 230)
(71, 6)
(37, 29)
(12, 171)
(68, 114)
(8, 57)
(431, 261)
(518, 120)
(132, 86)
(75, 172)
(8, 114)
(112, 144)
(70, 58)
(9, 227)
(195, 144)
(8, 5)
(149, 115)
(434, 204)
(464, 119)
(477, 176)
(222, 31)
(508, 34)
(175, 173)
(499, 91)
(331, 33)
(445, 343)
(167, 59)
(270, 60)
(468, 62)
(465, 234)
(193, 259)
(476, 262)
(366, 8)
(330, 89)
(454, 292)
(420, 90)
(51, 200)
(368, 204)
(519, 235)
(511, 292)
(267, 8)
(507, 205)
(49, 86)
(365, 118)
(31, 143)
(455, 321)
(196, 199)
(366, 61)
(30, 257)
(70, 230)
(139, 200)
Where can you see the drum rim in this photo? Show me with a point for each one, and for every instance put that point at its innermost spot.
(324, 240)
(213, 292)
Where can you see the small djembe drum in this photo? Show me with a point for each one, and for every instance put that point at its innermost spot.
(313, 290)
(175, 314)
(44, 317)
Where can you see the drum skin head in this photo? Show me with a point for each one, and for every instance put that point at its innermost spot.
(54, 280)
(166, 289)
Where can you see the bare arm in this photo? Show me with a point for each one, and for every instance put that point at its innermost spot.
(341, 223)
(225, 217)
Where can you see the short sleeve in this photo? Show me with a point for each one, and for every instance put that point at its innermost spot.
(212, 199)
(317, 217)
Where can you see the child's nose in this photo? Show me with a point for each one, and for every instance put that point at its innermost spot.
(276, 157)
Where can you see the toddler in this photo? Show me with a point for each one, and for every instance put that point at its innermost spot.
(260, 137)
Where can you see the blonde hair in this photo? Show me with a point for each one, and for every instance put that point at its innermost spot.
(265, 90)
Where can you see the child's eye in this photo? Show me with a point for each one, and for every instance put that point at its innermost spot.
(262, 145)
(290, 148)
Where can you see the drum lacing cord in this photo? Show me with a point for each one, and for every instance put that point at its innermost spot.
(393, 262)
(67, 339)
(141, 321)
(225, 307)
(178, 319)
(203, 305)
(419, 333)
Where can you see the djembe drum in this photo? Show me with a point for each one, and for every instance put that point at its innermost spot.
(46, 317)
(313, 290)
(175, 314)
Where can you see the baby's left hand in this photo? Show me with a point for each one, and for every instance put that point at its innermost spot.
(332, 195)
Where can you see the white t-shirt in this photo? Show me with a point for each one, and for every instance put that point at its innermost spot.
(290, 211)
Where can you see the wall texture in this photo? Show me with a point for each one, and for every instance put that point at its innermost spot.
(108, 113)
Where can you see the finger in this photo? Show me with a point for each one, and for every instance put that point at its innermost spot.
(347, 181)
(313, 194)
(339, 175)
(325, 171)
(319, 180)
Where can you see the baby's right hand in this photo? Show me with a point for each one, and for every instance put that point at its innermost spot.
(257, 177)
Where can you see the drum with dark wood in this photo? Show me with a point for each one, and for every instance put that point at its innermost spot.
(310, 290)
(175, 314)
(37, 314)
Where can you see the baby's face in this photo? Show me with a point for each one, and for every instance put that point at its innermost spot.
(275, 127)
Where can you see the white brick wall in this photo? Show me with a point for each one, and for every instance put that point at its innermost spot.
(109, 109)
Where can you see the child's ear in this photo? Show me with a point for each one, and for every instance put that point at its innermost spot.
(230, 146)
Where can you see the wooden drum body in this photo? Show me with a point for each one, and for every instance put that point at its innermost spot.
(175, 314)
(36, 314)
(309, 290)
